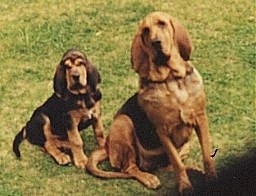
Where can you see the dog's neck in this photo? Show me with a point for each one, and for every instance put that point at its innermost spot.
(69, 97)
(180, 88)
(170, 77)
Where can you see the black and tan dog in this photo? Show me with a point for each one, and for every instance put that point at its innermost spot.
(153, 127)
(74, 105)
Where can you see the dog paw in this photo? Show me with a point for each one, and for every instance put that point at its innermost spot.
(150, 181)
(210, 173)
(63, 159)
(81, 162)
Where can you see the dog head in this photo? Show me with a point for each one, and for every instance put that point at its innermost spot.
(75, 74)
(160, 44)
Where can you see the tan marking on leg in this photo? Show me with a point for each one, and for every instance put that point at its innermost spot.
(50, 145)
(98, 126)
(76, 143)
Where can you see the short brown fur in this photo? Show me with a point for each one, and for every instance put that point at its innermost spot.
(172, 97)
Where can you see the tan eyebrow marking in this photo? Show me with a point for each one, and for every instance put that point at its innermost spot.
(79, 61)
(68, 63)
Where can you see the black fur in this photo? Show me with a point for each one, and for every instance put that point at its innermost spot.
(56, 110)
(17, 140)
(144, 129)
(145, 132)
(239, 178)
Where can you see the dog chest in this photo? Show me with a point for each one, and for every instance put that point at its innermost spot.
(58, 110)
(175, 101)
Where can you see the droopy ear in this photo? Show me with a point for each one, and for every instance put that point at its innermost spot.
(93, 75)
(139, 57)
(182, 39)
(93, 80)
(59, 80)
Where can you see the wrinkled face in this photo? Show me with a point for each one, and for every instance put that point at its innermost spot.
(157, 36)
(76, 74)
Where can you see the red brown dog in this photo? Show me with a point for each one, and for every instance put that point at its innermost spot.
(153, 127)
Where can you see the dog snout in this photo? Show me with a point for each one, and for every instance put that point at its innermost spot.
(156, 44)
(75, 76)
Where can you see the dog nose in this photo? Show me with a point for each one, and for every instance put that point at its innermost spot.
(156, 44)
(75, 77)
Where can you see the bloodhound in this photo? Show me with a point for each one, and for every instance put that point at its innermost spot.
(153, 127)
(74, 105)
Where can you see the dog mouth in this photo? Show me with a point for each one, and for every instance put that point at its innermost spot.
(78, 88)
(160, 57)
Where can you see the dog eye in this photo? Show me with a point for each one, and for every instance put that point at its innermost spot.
(161, 24)
(67, 66)
(83, 63)
(145, 31)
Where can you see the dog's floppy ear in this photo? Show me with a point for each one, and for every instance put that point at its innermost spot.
(59, 80)
(93, 80)
(182, 39)
(139, 58)
(93, 75)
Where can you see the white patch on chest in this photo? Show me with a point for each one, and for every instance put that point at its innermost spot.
(179, 90)
(182, 89)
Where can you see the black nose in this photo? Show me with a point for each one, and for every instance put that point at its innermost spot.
(156, 44)
(75, 77)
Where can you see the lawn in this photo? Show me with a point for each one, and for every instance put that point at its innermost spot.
(34, 35)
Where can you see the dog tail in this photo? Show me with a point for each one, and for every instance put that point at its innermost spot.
(17, 141)
(98, 156)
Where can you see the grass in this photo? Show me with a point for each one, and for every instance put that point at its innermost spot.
(34, 34)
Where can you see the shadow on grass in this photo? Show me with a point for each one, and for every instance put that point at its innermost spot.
(238, 178)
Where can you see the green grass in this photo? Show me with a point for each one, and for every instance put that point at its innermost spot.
(33, 36)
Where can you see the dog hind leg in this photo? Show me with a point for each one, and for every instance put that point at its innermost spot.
(122, 151)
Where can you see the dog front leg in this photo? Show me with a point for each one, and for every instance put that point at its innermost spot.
(202, 130)
(98, 126)
(178, 166)
(76, 143)
(98, 132)
(51, 145)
